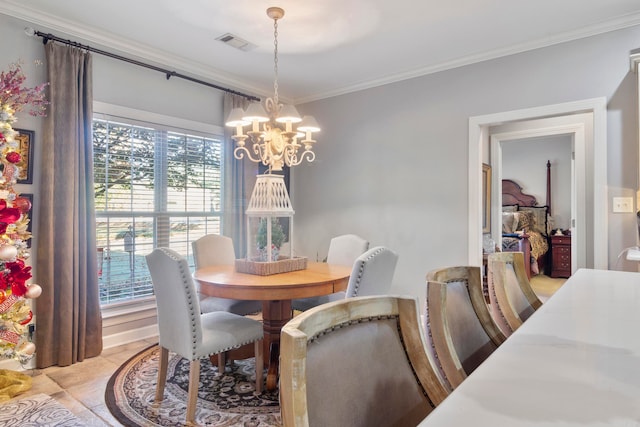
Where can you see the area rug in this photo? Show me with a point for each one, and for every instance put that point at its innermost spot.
(227, 400)
(37, 410)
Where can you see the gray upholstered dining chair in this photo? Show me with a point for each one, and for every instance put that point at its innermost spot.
(214, 249)
(511, 297)
(343, 250)
(371, 274)
(184, 330)
(459, 327)
(357, 362)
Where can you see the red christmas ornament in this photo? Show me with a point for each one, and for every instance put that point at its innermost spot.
(23, 204)
(13, 157)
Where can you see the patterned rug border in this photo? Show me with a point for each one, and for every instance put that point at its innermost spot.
(109, 393)
(254, 413)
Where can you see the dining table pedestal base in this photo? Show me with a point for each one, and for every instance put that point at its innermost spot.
(275, 314)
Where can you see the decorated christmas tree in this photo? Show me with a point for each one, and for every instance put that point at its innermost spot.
(15, 310)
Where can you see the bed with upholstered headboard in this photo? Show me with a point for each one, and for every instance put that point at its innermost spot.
(526, 225)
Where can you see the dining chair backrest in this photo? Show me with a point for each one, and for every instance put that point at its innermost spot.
(458, 322)
(179, 323)
(387, 379)
(213, 249)
(372, 272)
(511, 296)
(344, 249)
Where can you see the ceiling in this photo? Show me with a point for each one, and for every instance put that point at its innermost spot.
(326, 47)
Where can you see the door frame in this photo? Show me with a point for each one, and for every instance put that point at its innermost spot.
(596, 163)
(578, 191)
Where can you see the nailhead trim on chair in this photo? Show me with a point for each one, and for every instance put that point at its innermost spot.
(193, 311)
(359, 277)
(350, 322)
(492, 289)
(433, 347)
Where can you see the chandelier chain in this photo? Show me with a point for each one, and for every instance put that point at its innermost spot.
(275, 61)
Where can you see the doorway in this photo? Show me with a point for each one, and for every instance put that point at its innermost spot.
(590, 172)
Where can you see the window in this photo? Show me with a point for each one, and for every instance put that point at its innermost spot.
(155, 185)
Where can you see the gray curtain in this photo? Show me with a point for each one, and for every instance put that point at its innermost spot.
(68, 311)
(237, 178)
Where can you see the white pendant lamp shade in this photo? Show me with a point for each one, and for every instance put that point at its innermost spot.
(255, 113)
(288, 114)
(236, 118)
(309, 124)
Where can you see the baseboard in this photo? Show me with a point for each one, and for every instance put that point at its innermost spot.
(127, 337)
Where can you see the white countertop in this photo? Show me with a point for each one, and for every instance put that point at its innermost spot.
(575, 362)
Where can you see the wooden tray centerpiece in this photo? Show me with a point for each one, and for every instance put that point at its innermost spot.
(266, 268)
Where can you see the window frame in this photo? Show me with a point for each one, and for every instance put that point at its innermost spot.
(106, 111)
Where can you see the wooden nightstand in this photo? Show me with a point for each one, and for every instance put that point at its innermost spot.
(560, 256)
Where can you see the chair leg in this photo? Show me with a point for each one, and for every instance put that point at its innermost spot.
(194, 381)
(222, 361)
(162, 374)
(259, 365)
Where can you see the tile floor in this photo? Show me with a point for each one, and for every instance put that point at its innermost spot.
(80, 387)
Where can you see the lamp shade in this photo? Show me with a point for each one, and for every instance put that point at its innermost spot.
(236, 118)
(255, 112)
(309, 124)
(288, 113)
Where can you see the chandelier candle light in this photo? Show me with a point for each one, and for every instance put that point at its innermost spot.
(274, 143)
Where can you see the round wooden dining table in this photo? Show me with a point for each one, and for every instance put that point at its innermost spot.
(276, 292)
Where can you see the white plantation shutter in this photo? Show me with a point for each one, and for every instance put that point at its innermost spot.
(156, 185)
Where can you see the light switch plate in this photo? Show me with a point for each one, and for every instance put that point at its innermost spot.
(622, 204)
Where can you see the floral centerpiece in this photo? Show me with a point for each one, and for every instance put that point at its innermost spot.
(15, 311)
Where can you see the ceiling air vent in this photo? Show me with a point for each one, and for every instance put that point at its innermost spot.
(235, 41)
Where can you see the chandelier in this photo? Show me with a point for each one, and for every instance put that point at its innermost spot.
(273, 139)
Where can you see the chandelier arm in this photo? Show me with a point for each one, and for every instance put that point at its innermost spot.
(310, 155)
(240, 152)
(291, 156)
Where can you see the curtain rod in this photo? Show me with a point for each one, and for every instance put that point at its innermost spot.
(168, 73)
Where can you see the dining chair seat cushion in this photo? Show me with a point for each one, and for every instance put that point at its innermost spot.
(241, 307)
(222, 331)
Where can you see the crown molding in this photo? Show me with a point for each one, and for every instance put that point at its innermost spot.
(91, 35)
(626, 21)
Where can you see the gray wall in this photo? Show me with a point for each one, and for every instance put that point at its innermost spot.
(392, 161)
